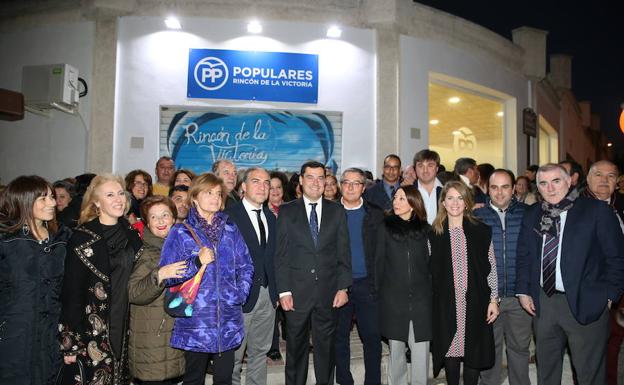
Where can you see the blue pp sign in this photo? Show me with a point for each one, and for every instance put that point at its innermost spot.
(245, 75)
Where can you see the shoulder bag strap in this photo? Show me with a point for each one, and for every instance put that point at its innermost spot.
(193, 234)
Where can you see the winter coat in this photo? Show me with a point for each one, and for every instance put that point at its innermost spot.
(403, 279)
(31, 275)
(217, 321)
(86, 305)
(479, 337)
(505, 242)
(151, 358)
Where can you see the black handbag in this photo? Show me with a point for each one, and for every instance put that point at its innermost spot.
(63, 372)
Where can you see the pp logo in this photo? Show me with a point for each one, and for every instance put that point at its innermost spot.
(211, 73)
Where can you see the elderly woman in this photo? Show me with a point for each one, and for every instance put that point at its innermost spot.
(139, 185)
(522, 191)
(465, 288)
(277, 193)
(215, 328)
(32, 253)
(403, 281)
(332, 191)
(152, 361)
(95, 308)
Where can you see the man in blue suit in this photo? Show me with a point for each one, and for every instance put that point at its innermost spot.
(569, 269)
(382, 193)
(258, 227)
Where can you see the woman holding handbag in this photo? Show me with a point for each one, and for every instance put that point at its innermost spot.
(212, 326)
(32, 253)
(94, 298)
(152, 361)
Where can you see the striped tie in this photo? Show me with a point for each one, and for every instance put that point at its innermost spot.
(551, 246)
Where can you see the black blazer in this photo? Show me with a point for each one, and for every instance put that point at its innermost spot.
(592, 258)
(377, 196)
(312, 274)
(262, 258)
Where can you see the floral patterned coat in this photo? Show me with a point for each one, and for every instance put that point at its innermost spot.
(217, 321)
(86, 303)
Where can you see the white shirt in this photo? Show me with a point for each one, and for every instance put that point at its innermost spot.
(430, 200)
(466, 181)
(319, 209)
(558, 279)
(253, 217)
(352, 208)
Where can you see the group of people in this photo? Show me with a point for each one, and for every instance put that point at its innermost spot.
(451, 266)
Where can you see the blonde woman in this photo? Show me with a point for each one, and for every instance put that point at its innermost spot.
(94, 311)
(465, 292)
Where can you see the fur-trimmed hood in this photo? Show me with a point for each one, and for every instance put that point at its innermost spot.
(401, 229)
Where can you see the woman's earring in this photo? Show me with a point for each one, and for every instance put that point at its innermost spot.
(25, 229)
(97, 211)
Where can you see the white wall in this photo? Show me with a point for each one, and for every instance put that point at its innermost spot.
(52, 147)
(152, 71)
(422, 58)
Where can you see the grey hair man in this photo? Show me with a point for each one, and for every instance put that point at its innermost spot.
(226, 170)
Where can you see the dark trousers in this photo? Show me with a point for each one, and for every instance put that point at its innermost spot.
(613, 348)
(452, 369)
(364, 305)
(196, 363)
(555, 327)
(322, 319)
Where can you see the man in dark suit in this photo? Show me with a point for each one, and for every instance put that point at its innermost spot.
(257, 225)
(426, 165)
(569, 268)
(382, 193)
(313, 273)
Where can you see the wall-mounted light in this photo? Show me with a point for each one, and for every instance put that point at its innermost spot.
(454, 100)
(254, 27)
(173, 23)
(433, 122)
(500, 114)
(609, 144)
(334, 32)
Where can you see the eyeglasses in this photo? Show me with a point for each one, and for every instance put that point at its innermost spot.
(355, 184)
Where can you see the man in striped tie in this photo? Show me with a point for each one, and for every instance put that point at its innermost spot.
(569, 269)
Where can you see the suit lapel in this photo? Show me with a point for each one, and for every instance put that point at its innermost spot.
(246, 227)
(303, 217)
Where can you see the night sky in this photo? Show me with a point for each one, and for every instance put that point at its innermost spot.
(593, 35)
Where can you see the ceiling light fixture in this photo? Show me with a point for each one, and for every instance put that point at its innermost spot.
(254, 27)
(334, 32)
(609, 144)
(454, 100)
(173, 23)
(433, 122)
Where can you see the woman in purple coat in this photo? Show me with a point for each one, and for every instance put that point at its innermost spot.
(215, 328)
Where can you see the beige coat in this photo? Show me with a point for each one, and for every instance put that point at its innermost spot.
(151, 358)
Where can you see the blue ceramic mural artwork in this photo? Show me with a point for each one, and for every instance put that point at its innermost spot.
(280, 140)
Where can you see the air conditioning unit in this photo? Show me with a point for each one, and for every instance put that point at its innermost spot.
(50, 86)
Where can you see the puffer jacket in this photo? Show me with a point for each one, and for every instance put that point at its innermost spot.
(31, 275)
(217, 321)
(505, 242)
(151, 358)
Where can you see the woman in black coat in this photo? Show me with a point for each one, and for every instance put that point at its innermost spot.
(403, 281)
(95, 307)
(465, 294)
(32, 253)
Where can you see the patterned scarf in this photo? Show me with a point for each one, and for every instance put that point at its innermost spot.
(214, 229)
(550, 212)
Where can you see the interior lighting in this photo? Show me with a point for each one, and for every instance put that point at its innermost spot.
(173, 23)
(500, 114)
(454, 100)
(456, 132)
(254, 27)
(622, 119)
(433, 122)
(334, 32)
(609, 144)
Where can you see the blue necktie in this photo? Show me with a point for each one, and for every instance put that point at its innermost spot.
(314, 223)
(551, 246)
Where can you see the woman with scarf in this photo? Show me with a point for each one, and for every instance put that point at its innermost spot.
(32, 253)
(465, 288)
(95, 308)
(209, 241)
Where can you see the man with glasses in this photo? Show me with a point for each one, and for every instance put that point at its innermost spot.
(382, 193)
(362, 221)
